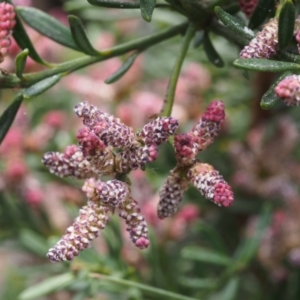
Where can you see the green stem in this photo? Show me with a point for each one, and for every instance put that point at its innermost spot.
(169, 98)
(159, 293)
(121, 4)
(12, 81)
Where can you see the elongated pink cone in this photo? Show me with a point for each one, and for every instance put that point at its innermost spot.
(209, 125)
(7, 23)
(211, 184)
(264, 45)
(70, 163)
(92, 218)
(170, 195)
(136, 224)
(158, 130)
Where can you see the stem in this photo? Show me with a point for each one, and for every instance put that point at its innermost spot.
(169, 98)
(12, 81)
(159, 293)
(121, 4)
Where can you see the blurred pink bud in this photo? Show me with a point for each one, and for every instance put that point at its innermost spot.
(22, 2)
(15, 170)
(288, 90)
(248, 6)
(33, 196)
(54, 118)
(188, 213)
(12, 140)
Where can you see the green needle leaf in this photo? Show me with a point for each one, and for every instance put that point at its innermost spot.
(229, 292)
(47, 286)
(123, 69)
(22, 39)
(147, 7)
(269, 99)
(211, 53)
(9, 115)
(20, 62)
(257, 64)
(114, 4)
(261, 12)
(286, 24)
(80, 37)
(206, 255)
(47, 26)
(198, 40)
(33, 242)
(41, 86)
(233, 23)
(198, 283)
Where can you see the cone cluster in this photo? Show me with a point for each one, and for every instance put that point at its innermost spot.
(106, 146)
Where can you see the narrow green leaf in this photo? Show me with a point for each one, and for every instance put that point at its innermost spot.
(248, 247)
(147, 7)
(47, 286)
(34, 242)
(198, 283)
(286, 24)
(211, 53)
(23, 40)
(269, 99)
(259, 64)
(80, 37)
(123, 69)
(9, 115)
(233, 23)
(41, 86)
(198, 40)
(261, 12)
(114, 4)
(206, 255)
(47, 26)
(229, 291)
(20, 62)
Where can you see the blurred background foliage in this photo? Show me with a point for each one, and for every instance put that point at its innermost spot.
(248, 251)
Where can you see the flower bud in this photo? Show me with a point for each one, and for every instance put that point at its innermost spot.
(186, 148)
(288, 90)
(247, 6)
